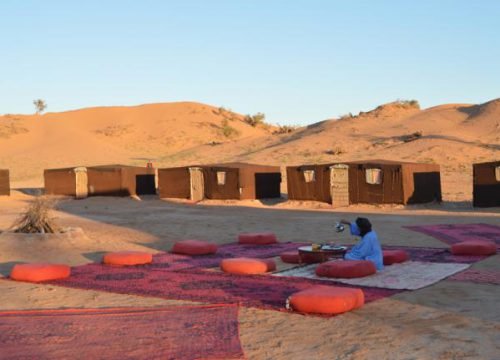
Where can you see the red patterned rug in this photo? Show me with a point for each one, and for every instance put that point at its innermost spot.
(260, 291)
(176, 332)
(451, 234)
(174, 262)
(478, 276)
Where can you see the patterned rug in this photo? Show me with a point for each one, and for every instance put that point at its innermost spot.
(260, 291)
(174, 262)
(410, 275)
(176, 332)
(451, 234)
(478, 276)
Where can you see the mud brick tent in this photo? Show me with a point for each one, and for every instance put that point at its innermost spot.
(370, 182)
(105, 180)
(486, 184)
(4, 182)
(220, 181)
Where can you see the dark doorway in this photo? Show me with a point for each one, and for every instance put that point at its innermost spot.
(267, 185)
(145, 185)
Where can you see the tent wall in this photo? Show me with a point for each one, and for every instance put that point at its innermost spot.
(105, 182)
(421, 183)
(486, 186)
(317, 190)
(248, 183)
(60, 182)
(231, 187)
(390, 191)
(4, 182)
(174, 183)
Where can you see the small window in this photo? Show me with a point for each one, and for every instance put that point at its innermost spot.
(221, 178)
(309, 176)
(497, 173)
(373, 176)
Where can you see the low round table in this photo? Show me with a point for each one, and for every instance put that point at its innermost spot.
(323, 254)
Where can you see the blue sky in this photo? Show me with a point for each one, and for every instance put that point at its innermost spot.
(296, 61)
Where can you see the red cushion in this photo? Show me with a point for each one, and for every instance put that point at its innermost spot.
(346, 269)
(292, 257)
(395, 256)
(127, 258)
(194, 247)
(258, 238)
(327, 300)
(39, 272)
(474, 247)
(247, 266)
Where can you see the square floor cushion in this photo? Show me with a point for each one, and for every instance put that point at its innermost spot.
(474, 247)
(261, 238)
(127, 258)
(347, 269)
(247, 266)
(395, 256)
(39, 272)
(194, 247)
(326, 300)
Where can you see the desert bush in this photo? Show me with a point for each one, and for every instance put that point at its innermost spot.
(284, 129)
(346, 116)
(408, 103)
(227, 130)
(338, 150)
(411, 137)
(36, 217)
(40, 105)
(254, 120)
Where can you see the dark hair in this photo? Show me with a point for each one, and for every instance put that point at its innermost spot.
(364, 225)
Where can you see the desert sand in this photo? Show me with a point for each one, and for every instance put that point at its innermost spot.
(449, 320)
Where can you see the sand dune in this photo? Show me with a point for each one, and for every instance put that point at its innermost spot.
(453, 135)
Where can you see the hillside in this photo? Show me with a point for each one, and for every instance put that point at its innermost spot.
(453, 135)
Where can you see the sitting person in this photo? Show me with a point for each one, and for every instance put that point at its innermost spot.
(369, 247)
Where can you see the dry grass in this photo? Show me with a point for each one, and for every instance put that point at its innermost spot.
(36, 218)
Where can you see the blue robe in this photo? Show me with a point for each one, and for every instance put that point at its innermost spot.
(367, 249)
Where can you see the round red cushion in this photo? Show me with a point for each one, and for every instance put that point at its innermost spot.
(127, 258)
(395, 256)
(194, 247)
(258, 238)
(346, 269)
(474, 247)
(247, 266)
(39, 272)
(327, 300)
(291, 257)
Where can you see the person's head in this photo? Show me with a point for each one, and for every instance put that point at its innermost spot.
(364, 225)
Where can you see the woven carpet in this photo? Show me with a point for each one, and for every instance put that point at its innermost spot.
(454, 233)
(410, 275)
(176, 332)
(478, 276)
(266, 292)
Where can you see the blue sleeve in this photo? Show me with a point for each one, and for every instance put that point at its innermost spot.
(354, 229)
(362, 249)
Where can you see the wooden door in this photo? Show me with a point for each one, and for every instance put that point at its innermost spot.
(339, 185)
(81, 183)
(197, 184)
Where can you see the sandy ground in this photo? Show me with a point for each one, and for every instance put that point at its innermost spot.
(449, 320)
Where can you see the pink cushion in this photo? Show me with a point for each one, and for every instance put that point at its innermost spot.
(194, 247)
(395, 256)
(39, 272)
(346, 269)
(322, 299)
(127, 258)
(264, 238)
(474, 247)
(247, 266)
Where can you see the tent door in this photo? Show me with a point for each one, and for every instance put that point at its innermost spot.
(81, 185)
(339, 185)
(197, 184)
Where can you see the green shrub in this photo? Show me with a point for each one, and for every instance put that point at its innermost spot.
(254, 120)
